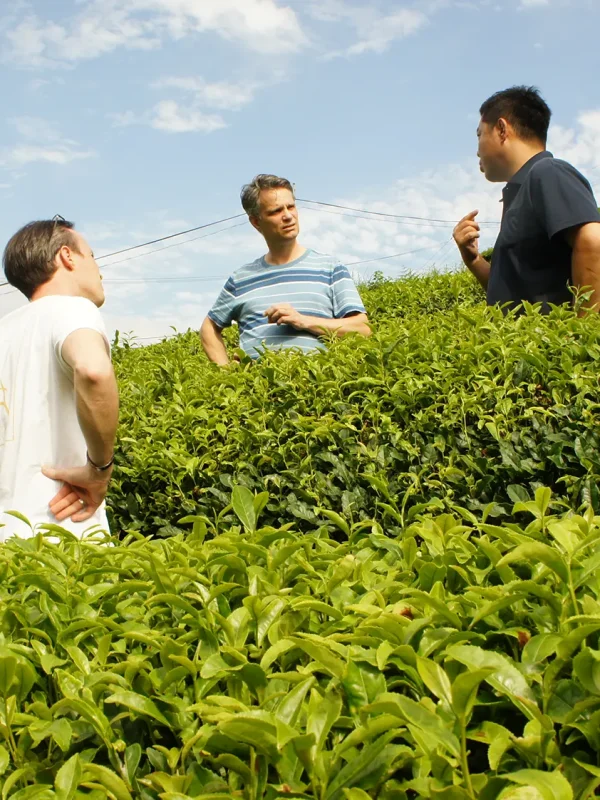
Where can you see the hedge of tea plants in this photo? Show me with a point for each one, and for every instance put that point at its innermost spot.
(454, 658)
(367, 573)
(447, 403)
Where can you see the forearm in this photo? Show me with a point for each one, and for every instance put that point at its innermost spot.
(97, 402)
(480, 268)
(213, 344)
(354, 324)
(585, 266)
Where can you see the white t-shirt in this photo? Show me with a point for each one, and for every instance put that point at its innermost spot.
(38, 417)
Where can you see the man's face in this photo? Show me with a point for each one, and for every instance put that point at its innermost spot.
(87, 271)
(490, 151)
(278, 218)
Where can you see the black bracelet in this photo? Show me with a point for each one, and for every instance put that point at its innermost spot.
(97, 467)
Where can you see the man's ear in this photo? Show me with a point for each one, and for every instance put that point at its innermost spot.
(64, 259)
(502, 127)
(255, 222)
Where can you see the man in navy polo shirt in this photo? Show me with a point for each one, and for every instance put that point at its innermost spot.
(549, 237)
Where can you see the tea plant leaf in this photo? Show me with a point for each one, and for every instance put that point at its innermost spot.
(436, 680)
(242, 501)
(550, 785)
(419, 716)
(505, 677)
(106, 778)
(68, 779)
(537, 551)
(464, 691)
(141, 705)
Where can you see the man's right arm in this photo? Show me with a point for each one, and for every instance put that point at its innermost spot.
(466, 235)
(212, 342)
(96, 393)
(97, 404)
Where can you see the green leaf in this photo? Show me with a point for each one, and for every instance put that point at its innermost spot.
(436, 680)
(289, 707)
(141, 705)
(540, 647)
(323, 711)
(260, 501)
(505, 677)
(4, 759)
(8, 668)
(362, 684)
(337, 520)
(133, 755)
(417, 715)
(321, 654)
(537, 551)
(108, 779)
(68, 778)
(464, 691)
(550, 785)
(370, 760)
(242, 501)
(586, 667)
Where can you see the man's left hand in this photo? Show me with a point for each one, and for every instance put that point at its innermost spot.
(286, 314)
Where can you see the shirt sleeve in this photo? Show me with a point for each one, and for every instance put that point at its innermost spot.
(75, 314)
(346, 299)
(562, 197)
(224, 311)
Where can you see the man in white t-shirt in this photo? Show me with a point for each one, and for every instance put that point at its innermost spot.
(58, 395)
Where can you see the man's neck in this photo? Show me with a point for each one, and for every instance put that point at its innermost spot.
(283, 253)
(524, 153)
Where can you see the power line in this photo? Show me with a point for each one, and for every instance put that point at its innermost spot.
(395, 255)
(157, 241)
(171, 236)
(380, 219)
(383, 214)
(169, 246)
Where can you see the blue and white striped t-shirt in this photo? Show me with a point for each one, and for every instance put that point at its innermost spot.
(313, 284)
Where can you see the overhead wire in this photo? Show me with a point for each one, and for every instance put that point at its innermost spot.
(385, 214)
(169, 246)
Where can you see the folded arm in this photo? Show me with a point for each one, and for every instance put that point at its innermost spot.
(286, 314)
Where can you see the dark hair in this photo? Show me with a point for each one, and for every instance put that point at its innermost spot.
(251, 191)
(29, 255)
(523, 107)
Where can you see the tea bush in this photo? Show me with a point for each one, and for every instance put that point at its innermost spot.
(447, 403)
(454, 658)
(367, 573)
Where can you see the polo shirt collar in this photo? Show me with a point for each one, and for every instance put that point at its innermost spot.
(519, 177)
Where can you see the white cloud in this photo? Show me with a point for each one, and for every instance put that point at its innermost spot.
(579, 145)
(221, 95)
(376, 31)
(102, 26)
(170, 116)
(190, 116)
(42, 143)
(64, 153)
(386, 30)
(533, 3)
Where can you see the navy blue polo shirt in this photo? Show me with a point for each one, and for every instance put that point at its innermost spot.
(531, 259)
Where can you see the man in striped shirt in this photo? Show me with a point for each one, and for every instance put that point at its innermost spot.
(289, 297)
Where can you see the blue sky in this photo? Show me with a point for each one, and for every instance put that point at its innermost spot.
(141, 118)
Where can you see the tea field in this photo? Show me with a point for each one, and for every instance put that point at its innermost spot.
(367, 573)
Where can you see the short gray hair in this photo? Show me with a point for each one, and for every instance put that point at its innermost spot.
(250, 194)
